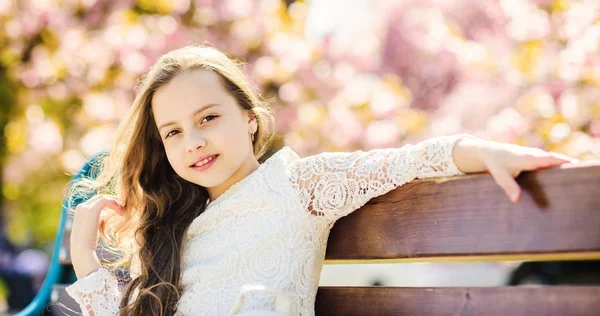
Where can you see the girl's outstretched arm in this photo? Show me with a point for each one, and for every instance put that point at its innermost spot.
(334, 184)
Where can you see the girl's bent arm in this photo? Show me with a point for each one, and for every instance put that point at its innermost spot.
(334, 184)
(98, 293)
(85, 261)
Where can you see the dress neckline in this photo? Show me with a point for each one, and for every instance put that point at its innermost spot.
(235, 187)
(213, 205)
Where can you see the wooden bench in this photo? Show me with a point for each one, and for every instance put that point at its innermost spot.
(466, 218)
(469, 218)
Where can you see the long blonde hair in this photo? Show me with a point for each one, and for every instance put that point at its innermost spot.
(160, 205)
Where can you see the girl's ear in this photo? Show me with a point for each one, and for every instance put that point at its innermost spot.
(252, 122)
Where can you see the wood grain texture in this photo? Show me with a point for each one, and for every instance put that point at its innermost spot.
(559, 212)
(475, 301)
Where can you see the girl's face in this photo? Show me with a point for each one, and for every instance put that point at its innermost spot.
(196, 117)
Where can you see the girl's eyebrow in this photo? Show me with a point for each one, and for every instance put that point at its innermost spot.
(198, 111)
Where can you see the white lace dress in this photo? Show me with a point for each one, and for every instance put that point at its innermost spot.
(271, 228)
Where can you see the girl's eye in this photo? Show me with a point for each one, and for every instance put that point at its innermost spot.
(169, 134)
(213, 117)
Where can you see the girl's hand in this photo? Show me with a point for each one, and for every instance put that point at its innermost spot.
(506, 161)
(86, 220)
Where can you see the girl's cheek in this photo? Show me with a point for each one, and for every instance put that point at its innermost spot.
(170, 147)
(170, 159)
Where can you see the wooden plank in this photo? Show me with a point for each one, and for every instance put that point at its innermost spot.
(514, 301)
(557, 256)
(450, 218)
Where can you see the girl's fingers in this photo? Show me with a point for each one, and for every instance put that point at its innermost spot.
(116, 206)
(91, 200)
(563, 157)
(504, 179)
(552, 161)
(550, 155)
(96, 198)
(542, 161)
(113, 205)
(107, 201)
(548, 161)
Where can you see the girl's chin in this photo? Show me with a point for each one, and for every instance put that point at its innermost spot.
(203, 182)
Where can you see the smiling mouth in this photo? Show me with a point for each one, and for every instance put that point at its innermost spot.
(205, 164)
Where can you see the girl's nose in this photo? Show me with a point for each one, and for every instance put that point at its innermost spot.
(195, 141)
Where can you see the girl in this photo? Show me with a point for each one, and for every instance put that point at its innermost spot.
(199, 216)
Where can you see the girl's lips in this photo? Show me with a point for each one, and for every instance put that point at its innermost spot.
(206, 165)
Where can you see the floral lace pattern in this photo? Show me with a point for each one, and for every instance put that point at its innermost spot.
(271, 228)
(97, 293)
(332, 185)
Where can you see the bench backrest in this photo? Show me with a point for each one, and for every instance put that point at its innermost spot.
(470, 218)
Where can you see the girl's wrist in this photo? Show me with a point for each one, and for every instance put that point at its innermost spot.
(468, 154)
(84, 262)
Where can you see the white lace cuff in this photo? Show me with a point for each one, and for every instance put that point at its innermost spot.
(97, 292)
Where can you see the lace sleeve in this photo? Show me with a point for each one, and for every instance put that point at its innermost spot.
(334, 184)
(97, 293)
(100, 293)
